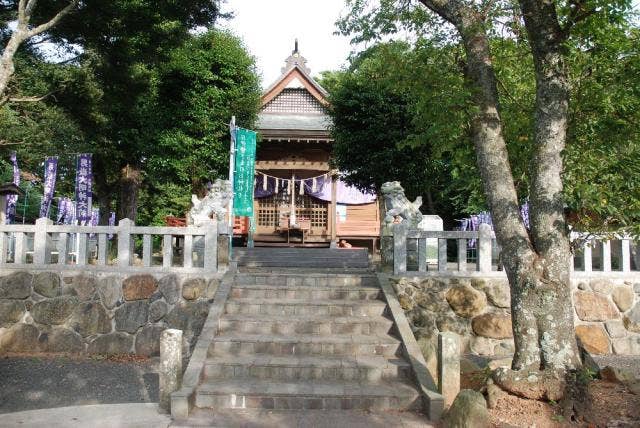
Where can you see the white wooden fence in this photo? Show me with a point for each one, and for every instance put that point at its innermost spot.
(45, 245)
(596, 256)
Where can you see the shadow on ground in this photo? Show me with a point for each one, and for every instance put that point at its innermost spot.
(35, 382)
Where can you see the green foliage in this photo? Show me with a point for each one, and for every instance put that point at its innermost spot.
(205, 82)
(602, 166)
(143, 92)
(376, 136)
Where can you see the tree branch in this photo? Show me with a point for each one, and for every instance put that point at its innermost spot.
(21, 13)
(30, 99)
(578, 13)
(47, 25)
(31, 4)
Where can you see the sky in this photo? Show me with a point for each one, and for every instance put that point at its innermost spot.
(269, 29)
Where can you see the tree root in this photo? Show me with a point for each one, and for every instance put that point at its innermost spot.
(531, 383)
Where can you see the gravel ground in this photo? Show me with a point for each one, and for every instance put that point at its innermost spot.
(41, 382)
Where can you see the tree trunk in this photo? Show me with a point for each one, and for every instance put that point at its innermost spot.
(537, 266)
(130, 180)
(6, 62)
(548, 224)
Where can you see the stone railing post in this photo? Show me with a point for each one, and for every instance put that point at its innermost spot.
(484, 248)
(170, 372)
(448, 366)
(626, 254)
(399, 249)
(124, 242)
(42, 242)
(606, 256)
(211, 246)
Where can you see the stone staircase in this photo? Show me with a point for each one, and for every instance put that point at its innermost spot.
(308, 258)
(294, 340)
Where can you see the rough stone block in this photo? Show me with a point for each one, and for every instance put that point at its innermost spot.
(496, 326)
(194, 288)
(11, 311)
(90, 318)
(110, 291)
(54, 311)
(85, 286)
(615, 329)
(632, 319)
(482, 345)
(466, 301)
(19, 338)
(139, 287)
(469, 410)
(594, 307)
(157, 310)
(148, 340)
(623, 297)
(601, 285)
(499, 293)
(593, 338)
(16, 286)
(626, 346)
(112, 343)
(61, 339)
(47, 284)
(188, 317)
(170, 289)
(131, 316)
(450, 322)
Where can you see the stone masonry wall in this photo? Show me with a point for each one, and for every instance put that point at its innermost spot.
(607, 313)
(100, 314)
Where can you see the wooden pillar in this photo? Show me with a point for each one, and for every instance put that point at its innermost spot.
(332, 213)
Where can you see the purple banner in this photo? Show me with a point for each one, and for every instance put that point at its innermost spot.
(84, 177)
(12, 200)
(112, 222)
(66, 211)
(50, 171)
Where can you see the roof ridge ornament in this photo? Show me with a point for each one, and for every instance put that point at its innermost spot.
(295, 59)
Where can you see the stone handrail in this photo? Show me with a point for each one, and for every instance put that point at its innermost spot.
(485, 239)
(50, 239)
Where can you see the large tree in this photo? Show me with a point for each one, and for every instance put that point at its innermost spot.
(537, 260)
(22, 11)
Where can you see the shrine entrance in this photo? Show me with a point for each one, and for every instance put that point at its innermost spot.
(271, 210)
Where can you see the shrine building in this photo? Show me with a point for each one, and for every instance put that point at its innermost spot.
(298, 198)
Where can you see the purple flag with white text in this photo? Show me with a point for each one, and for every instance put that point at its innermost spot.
(50, 171)
(84, 177)
(12, 200)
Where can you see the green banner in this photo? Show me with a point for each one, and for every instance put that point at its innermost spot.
(243, 174)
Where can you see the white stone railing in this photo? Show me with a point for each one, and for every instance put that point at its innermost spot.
(595, 256)
(106, 248)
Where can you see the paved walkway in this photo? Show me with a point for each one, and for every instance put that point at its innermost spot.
(128, 415)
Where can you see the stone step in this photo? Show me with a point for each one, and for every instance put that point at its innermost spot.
(306, 307)
(269, 291)
(303, 324)
(313, 263)
(297, 367)
(287, 277)
(300, 252)
(303, 271)
(337, 345)
(267, 394)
